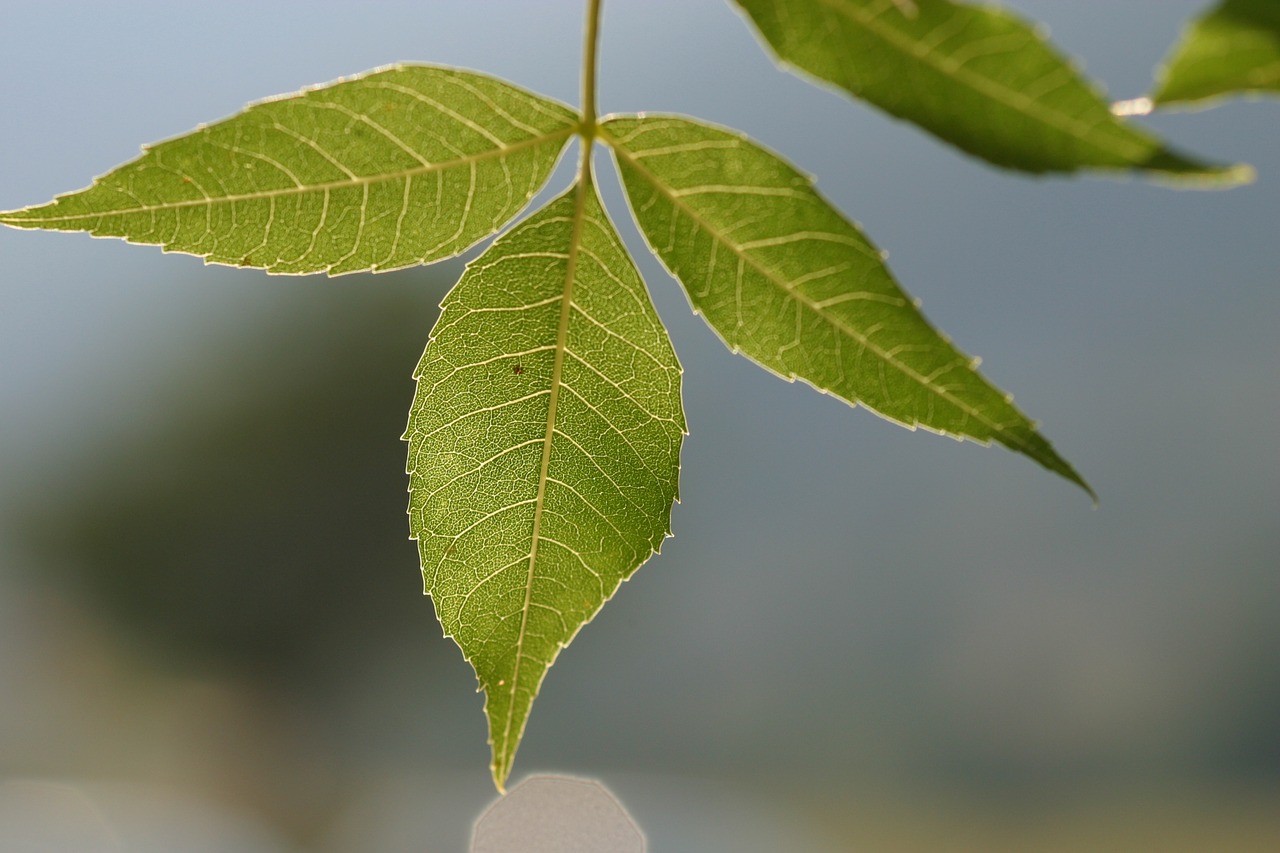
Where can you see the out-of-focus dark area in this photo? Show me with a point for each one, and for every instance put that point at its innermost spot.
(212, 633)
(248, 528)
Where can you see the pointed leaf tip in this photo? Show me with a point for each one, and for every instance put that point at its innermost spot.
(785, 279)
(544, 444)
(976, 77)
(393, 168)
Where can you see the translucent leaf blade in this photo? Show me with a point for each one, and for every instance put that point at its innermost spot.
(978, 78)
(787, 281)
(1234, 49)
(389, 169)
(544, 445)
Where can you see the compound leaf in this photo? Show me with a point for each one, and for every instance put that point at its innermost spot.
(544, 447)
(1233, 49)
(976, 77)
(787, 281)
(393, 168)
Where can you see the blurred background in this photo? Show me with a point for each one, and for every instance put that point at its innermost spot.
(212, 633)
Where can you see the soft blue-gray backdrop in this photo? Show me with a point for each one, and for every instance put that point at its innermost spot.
(860, 637)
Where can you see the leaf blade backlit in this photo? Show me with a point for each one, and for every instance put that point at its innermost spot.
(392, 168)
(544, 445)
(1233, 49)
(786, 280)
(977, 77)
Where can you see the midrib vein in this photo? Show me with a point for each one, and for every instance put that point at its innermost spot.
(557, 367)
(1004, 95)
(1006, 437)
(265, 195)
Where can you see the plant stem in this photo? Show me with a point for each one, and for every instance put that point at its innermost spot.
(592, 39)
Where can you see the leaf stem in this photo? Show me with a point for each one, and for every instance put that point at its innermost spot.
(589, 49)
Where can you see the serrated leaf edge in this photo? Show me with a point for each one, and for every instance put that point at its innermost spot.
(501, 769)
(616, 146)
(11, 219)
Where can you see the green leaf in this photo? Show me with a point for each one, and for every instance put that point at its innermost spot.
(544, 447)
(976, 77)
(1235, 48)
(389, 169)
(787, 281)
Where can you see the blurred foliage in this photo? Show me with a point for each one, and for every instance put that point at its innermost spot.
(259, 524)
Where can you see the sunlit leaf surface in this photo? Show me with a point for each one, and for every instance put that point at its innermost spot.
(786, 280)
(977, 77)
(1234, 49)
(389, 169)
(544, 448)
